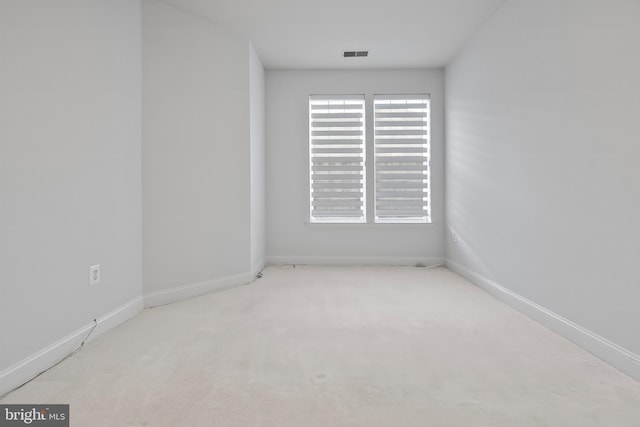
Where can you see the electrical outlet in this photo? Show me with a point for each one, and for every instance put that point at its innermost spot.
(94, 274)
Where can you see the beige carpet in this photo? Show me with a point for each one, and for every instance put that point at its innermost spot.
(324, 346)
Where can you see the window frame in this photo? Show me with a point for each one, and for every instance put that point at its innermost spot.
(340, 190)
(406, 183)
(369, 185)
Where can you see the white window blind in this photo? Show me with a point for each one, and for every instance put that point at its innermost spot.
(401, 144)
(337, 158)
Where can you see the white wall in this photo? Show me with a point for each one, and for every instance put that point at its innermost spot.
(196, 167)
(289, 238)
(69, 169)
(543, 183)
(257, 158)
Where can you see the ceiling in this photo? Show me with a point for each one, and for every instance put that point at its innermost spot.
(312, 34)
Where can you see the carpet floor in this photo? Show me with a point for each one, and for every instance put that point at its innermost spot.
(337, 346)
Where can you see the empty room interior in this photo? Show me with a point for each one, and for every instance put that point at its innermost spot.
(337, 213)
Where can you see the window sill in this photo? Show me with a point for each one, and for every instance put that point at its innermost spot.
(363, 225)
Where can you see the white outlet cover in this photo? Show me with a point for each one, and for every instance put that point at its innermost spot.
(94, 274)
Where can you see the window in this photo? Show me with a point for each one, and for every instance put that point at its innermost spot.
(337, 158)
(401, 158)
(399, 149)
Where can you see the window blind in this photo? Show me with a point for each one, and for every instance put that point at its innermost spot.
(401, 144)
(337, 158)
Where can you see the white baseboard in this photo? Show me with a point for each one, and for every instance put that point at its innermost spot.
(258, 267)
(180, 293)
(340, 261)
(615, 355)
(32, 366)
(117, 317)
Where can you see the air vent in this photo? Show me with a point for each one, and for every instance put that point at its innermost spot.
(355, 53)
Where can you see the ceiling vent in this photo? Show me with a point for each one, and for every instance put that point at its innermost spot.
(355, 53)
